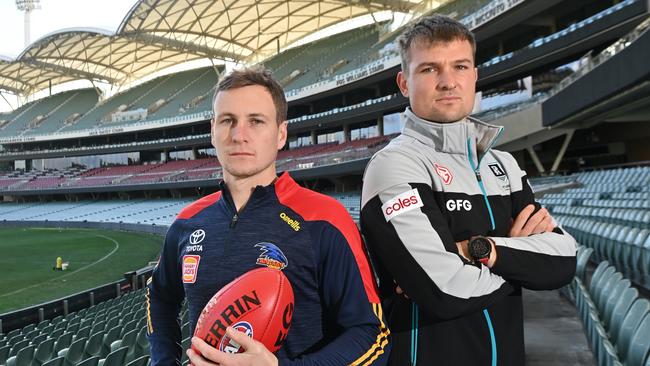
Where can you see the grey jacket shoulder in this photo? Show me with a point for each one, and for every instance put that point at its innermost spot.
(403, 158)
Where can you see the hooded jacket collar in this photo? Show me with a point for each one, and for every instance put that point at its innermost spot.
(453, 137)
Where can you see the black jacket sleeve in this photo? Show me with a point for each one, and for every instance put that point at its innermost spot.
(539, 262)
(165, 294)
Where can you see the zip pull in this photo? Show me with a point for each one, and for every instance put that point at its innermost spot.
(233, 222)
(478, 175)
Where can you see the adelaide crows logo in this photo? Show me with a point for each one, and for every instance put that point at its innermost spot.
(271, 256)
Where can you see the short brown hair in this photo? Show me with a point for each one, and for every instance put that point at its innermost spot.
(431, 29)
(255, 76)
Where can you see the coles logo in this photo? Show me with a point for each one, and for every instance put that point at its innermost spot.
(230, 346)
(444, 173)
(401, 203)
(190, 268)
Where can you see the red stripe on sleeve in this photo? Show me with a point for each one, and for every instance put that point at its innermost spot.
(198, 205)
(313, 206)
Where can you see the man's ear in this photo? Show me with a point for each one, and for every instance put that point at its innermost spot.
(402, 83)
(213, 135)
(282, 134)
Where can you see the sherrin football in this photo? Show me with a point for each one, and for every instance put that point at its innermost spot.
(258, 303)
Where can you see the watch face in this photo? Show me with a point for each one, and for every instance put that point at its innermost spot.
(479, 248)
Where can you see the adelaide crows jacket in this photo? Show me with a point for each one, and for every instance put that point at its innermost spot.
(337, 319)
(435, 185)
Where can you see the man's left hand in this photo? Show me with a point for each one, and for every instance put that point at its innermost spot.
(255, 354)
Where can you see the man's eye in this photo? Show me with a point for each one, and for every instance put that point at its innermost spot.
(257, 121)
(462, 67)
(428, 70)
(226, 121)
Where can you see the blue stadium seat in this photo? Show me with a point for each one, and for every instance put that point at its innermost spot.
(141, 343)
(115, 358)
(633, 319)
(58, 361)
(612, 298)
(141, 361)
(645, 263)
(632, 254)
(44, 352)
(637, 353)
(91, 361)
(23, 357)
(606, 289)
(74, 354)
(63, 341)
(94, 344)
(583, 256)
(4, 353)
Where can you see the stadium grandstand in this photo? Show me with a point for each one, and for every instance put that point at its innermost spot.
(569, 81)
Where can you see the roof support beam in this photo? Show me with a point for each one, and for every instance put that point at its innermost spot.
(68, 71)
(171, 44)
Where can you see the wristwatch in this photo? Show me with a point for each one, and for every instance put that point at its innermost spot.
(479, 248)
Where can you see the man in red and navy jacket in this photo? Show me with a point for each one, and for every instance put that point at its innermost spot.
(258, 219)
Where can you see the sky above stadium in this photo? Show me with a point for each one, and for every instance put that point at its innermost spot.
(55, 15)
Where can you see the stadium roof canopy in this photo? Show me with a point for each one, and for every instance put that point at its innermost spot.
(158, 34)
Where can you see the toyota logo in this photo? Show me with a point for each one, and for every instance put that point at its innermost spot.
(197, 236)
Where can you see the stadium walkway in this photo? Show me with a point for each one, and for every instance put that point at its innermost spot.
(553, 332)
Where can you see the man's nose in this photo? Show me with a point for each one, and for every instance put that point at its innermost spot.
(446, 80)
(239, 132)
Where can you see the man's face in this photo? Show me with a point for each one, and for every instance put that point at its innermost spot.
(441, 81)
(245, 132)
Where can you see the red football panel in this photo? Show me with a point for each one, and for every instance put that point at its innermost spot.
(259, 302)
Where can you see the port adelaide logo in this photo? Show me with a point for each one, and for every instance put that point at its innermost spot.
(501, 175)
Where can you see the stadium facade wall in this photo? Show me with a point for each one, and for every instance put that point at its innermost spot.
(613, 78)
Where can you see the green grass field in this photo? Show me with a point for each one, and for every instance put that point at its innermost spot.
(96, 257)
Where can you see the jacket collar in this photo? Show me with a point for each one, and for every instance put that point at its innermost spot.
(282, 185)
(452, 137)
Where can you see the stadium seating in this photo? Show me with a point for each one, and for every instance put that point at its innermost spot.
(609, 213)
(65, 341)
(66, 113)
(297, 158)
(167, 97)
(304, 65)
(614, 316)
(35, 113)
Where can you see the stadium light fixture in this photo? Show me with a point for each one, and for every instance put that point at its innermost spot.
(27, 6)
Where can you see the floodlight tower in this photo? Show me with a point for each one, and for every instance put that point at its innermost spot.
(27, 6)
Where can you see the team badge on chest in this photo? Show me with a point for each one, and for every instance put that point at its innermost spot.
(271, 256)
(444, 173)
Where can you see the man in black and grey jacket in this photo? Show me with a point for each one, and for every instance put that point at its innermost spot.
(451, 223)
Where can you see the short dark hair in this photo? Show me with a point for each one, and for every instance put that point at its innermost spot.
(255, 76)
(431, 29)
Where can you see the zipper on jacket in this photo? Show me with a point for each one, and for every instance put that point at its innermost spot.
(477, 173)
(414, 333)
(479, 179)
(235, 219)
(233, 222)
